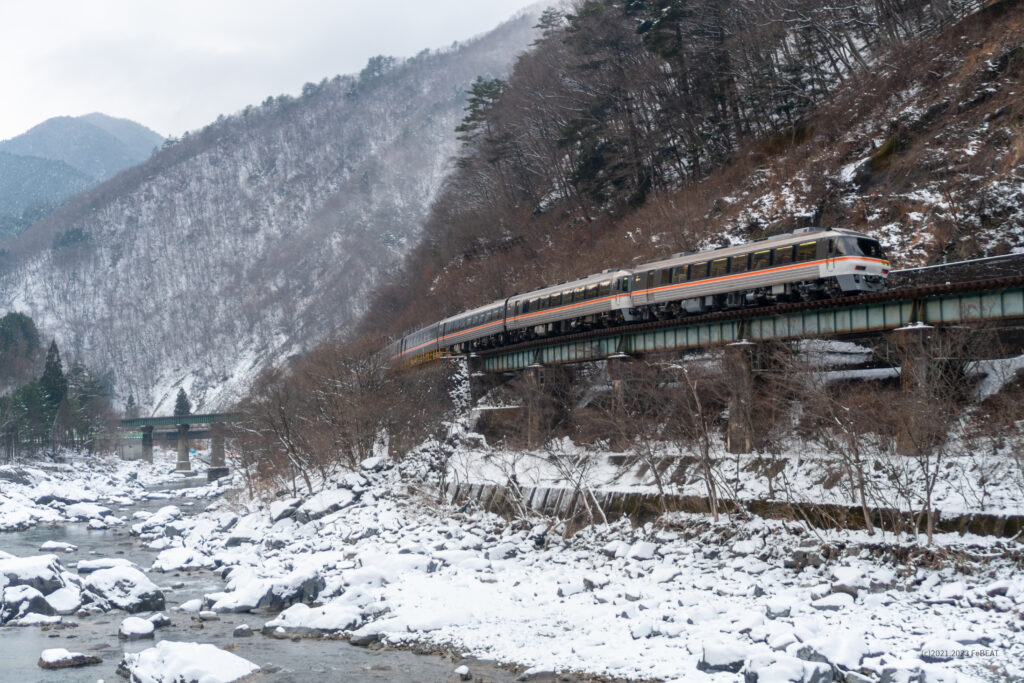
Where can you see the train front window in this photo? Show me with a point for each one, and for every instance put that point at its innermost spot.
(859, 246)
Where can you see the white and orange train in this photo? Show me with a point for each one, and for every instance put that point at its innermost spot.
(803, 265)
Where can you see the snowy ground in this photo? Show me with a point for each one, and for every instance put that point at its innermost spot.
(368, 559)
(373, 559)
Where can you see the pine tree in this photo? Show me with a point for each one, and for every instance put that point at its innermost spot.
(182, 406)
(130, 408)
(53, 382)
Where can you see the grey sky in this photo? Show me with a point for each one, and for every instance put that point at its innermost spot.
(175, 65)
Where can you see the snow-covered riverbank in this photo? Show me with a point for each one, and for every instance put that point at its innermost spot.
(371, 559)
(686, 599)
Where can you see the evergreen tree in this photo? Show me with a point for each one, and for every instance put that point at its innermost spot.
(131, 409)
(53, 382)
(182, 406)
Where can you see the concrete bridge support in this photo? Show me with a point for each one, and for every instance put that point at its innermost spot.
(147, 444)
(183, 462)
(738, 366)
(218, 468)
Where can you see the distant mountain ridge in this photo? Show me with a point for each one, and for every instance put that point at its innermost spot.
(61, 157)
(96, 144)
(255, 238)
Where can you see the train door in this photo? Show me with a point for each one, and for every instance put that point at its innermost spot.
(830, 255)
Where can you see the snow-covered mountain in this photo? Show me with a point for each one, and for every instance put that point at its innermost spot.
(95, 144)
(252, 239)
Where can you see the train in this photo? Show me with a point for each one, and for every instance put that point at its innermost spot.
(806, 264)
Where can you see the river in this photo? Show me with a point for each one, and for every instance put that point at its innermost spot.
(282, 660)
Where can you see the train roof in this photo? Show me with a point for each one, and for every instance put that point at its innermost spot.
(795, 237)
(609, 274)
(500, 303)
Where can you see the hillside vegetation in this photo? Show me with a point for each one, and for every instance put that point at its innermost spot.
(256, 237)
(635, 130)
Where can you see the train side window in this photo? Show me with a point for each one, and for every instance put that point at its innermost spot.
(592, 292)
(783, 255)
(806, 251)
(720, 266)
(605, 288)
(666, 277)
(678, 274)
(638, 282)
(624, 284)
(738, 264)
(760, 259)
(699, 271)
(533, 304)
(578, 294)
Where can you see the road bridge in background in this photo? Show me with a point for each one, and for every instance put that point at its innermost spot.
(215, 429)
(963, 303)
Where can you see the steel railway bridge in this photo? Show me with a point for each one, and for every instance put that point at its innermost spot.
(996, 300)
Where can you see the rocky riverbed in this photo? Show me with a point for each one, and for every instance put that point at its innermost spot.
(372, 560)
(77, 595)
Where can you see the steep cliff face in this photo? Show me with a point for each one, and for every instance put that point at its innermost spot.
(246, 242)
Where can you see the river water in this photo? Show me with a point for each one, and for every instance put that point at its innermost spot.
(282, 660)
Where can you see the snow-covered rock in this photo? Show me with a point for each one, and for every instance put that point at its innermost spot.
(177, 662)
(42, 572)
(833, 602)
(87, 566)
(58, 546)
(642, 550)
(136, 628)
(65, 600)
(722, 655)
(86, 511)
(324, 503)
(59, 658)
(174, 559)
(126, 588)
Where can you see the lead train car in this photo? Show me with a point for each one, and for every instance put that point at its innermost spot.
(802, 265)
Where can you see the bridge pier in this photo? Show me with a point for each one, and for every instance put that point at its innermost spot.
(218, 468)
(739, 370)
(183, 464)
(147, 444)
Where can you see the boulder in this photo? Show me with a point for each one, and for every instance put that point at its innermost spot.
(722, 655)
(324, 503)
(42, 572)
(175, 662)
(126, 588)
(136, 628)
(833, 602)
(282, 509)
(59, 658)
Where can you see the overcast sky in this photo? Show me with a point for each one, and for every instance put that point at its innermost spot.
(174, 65)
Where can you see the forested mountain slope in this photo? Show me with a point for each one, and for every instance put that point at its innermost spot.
(256, 237)
(635, 130)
